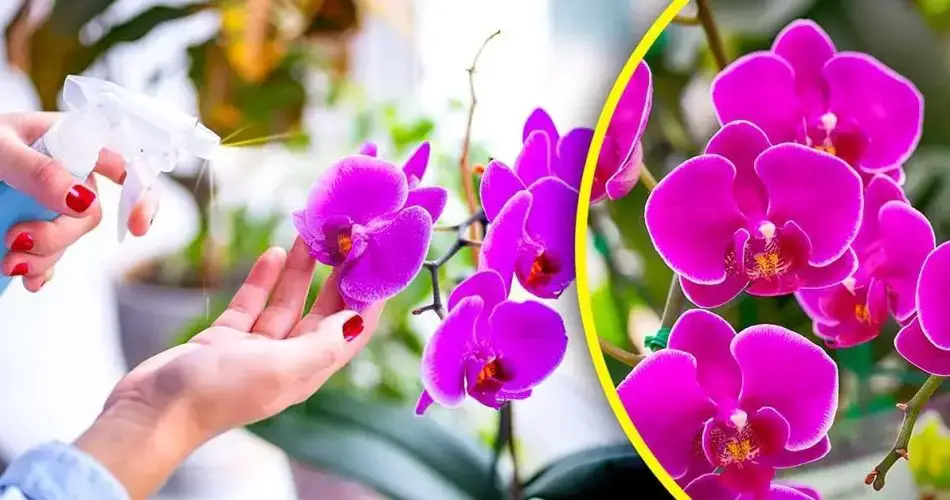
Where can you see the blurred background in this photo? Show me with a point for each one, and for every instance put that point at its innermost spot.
(629, 281)
(326, 75)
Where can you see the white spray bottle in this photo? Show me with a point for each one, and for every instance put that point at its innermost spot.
(149, 136)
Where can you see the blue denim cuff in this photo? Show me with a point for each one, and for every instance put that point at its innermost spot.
(58, 471)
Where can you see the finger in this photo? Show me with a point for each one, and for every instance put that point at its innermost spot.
(44, 179)
(26, 265)
(289, 297)
(51, 237)
(251, 298)
(143, 213)
(322, 351)
(31, 126)
(329, 300)
(111, 165)
(35, 283)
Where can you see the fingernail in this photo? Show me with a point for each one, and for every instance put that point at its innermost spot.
(23, 243)
(80, 198)
(20, 269)
(353, 328)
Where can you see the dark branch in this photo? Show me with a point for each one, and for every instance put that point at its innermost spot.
(433, 266)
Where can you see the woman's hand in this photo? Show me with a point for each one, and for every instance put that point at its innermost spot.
(37, 245)
(258, 358)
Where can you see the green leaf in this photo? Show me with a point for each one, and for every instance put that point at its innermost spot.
(71, 16)
(596, 473)
(385, 447)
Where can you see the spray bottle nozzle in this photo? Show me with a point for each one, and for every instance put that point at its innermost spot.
(149, 136)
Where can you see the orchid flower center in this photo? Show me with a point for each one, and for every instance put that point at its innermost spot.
(765, 257)
(491, 375)
(836, 137)
(344, 242)
(861, 313)
(735, 442)
(542, 269)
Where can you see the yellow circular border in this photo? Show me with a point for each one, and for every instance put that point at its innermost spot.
(580, 249)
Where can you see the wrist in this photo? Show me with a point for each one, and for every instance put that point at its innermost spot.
(139, 445)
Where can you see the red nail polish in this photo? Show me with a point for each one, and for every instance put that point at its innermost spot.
(20, 269)
(23, 243)
(353, 328)
(80, 198)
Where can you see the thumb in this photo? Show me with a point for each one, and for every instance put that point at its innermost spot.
(43, 179)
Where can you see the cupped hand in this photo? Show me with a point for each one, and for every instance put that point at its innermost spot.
(258, 358)
(36, 246)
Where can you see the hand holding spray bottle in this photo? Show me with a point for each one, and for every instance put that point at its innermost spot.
(101, 115)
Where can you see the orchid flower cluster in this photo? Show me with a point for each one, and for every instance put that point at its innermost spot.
(373, 222)
(799, 192)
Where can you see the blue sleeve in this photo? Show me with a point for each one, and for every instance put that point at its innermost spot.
(59, 471)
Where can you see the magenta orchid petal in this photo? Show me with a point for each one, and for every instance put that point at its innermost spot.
(933, 288)
(913, 345)
(424, 402)
(547, 268)
(741, 142)
(760, 88)
(623, 180)
(369, 149)
(393, 257)
(572, 156)
(853, 315)
(359, 187)
(539, 119)
(431, 198)
(753, 477)
(709, 487)
(534, 161)
(817, 191)
(444, 356)
(499, 184)
(806, 47)
(781, 492)
(880, 190)
(415, 166)
(530, 339)
(832, 274)
(708, 338)
(785, 371)
(907, 238)
(787, 459)
(669, 426)
(692, 217)
(489, 287)
(711, 296)
(885, 105)
(810, 299)
(630, 117)
(506, 236)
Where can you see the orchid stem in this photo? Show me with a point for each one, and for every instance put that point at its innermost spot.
(468, 183)
(705, 17)
(675, 303)
(433, 266)
(687, 20)
(646, 178)
(628, 358)
(509, 416)
(912, 410)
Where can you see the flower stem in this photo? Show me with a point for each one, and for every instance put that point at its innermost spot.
(675, 303)
(468, 183)
(705, 17)
(646, 178)
(628, 358)
(911, 410)
(508, 411)
(433, 266)
(686, 20)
